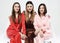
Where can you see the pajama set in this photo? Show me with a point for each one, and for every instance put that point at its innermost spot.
(42, 24)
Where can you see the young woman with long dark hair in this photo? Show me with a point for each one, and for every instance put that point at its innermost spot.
(16, 30)
(42, 25)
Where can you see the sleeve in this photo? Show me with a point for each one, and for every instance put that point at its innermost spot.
(11, 32)
(23, 24)
(36, 23)
(47, 26)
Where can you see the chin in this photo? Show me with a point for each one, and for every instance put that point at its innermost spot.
(41, 12)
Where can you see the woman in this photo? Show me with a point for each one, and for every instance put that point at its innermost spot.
(29, 19)
(42, 25)
(16, 29)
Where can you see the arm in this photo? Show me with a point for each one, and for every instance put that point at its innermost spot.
(23, 24)
(37, 29)
(47, 26)
(11, 32)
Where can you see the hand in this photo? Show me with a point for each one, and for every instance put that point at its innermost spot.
(23, 36)
(43, 30)
(41, 34)
(36, 32)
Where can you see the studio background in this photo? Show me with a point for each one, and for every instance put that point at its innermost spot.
(53, 8)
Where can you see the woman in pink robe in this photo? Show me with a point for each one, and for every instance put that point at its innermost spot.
(42, 25)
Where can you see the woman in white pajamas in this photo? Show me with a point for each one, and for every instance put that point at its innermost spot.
(42, 25)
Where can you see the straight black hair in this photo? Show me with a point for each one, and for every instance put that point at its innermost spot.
(45, 9)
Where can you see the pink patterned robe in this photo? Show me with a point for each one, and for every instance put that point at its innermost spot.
(42, 23)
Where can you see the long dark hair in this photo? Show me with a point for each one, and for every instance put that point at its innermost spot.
(32, 12)
(45, 9)
(13, 12)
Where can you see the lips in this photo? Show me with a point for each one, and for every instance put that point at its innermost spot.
(17, 9)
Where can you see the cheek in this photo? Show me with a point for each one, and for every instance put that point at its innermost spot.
(27, 8)
(16, 9)
(31, 8)
(41, 10)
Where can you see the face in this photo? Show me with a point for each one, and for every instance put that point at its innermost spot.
(29, 7)
(16, 8)
(41, 9)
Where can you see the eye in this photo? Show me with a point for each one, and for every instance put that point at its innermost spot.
(30, 6)
(15, 6)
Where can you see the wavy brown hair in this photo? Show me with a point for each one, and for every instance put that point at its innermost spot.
(13, 12)
(32, 12)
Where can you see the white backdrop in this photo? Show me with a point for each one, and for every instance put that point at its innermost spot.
(53, 8)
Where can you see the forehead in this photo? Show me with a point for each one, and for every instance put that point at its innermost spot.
(16, 5)
(42, 6)
(29, 5)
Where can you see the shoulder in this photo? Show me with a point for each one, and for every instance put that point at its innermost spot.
(48, 16)
(23, 15)
(35, 13)
(23, 12)
(10, 17)
(36, 17)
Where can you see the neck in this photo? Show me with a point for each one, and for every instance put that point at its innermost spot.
(29, 13)
(41, 14)
(16, 13)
